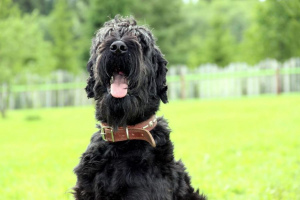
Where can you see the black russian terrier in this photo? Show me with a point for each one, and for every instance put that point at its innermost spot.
(131, 157)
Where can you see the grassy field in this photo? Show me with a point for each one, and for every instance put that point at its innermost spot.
(233, 149)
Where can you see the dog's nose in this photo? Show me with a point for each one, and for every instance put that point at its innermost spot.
(118, 47)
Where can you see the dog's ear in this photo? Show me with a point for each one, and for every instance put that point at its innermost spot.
(91, 80)
(161, 85)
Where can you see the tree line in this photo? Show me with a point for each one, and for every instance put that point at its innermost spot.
(39, 36)
(44, 35)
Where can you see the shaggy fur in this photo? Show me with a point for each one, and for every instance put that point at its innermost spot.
(130, 170)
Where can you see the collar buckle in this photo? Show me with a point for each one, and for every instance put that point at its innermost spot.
(103, 133)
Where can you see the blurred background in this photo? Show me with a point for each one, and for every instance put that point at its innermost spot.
(215, 48)
(234, 81)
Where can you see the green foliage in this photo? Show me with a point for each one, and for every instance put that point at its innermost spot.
(82, 32)
(216, 30)
(100, 11)
(274, 32)
(165, 21)
(7, 8)
(218, 45)
(22, 48)
(28, 6)
(188, 32)
(64, 43)
(233, 149)
(165, 18)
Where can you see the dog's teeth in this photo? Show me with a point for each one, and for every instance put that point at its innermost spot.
(111, 79)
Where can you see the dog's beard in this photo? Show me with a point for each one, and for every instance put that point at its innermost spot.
(117, 112)
(130, 110)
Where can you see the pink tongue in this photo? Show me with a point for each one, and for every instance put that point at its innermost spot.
(118, 88)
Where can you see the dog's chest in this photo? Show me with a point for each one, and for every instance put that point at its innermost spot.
(132, 175)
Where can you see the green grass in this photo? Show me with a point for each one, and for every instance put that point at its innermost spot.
(233, 149)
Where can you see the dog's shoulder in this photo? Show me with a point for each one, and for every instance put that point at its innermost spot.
(93, 153)
(161, 133)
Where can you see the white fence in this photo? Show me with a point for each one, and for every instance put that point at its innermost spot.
(207, 81)
(58, 89)
(235, 80)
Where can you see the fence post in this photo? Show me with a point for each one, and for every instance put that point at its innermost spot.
(35, 95)
(286, 77)
(278, 81)
(3, 102)
(11, 101)
(182, 72)
(172, 93)
(48, 94)
(60, 80)
(77, 93)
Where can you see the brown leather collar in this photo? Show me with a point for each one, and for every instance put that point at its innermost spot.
(140, 131)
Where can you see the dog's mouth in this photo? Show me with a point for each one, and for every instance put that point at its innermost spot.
(118, 84)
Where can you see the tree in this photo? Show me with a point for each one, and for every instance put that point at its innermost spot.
(214, 30)
(64, 44)
(217, 47)
(165, 18)
(165, 21)
(274, 32)
(27, 6)
(101, 11)
(22, 49)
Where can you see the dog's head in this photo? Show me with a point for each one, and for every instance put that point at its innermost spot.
(127, 73)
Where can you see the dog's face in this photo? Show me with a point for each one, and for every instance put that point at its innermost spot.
(127, 73)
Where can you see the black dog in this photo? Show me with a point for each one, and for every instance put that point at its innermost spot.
(131, 157)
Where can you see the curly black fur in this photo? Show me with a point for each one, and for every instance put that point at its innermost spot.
(130, 170)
